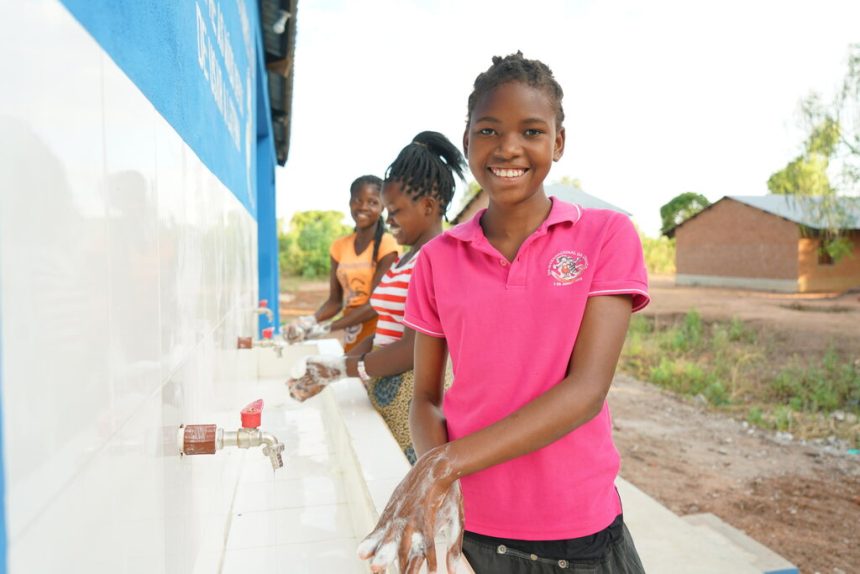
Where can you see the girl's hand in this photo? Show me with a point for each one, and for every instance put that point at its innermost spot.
(297, 330)
(318, 331)
(319, 372)
(426, 504)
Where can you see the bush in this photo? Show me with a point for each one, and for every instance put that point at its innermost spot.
(304, 248)
(659, 255)
(825, 386)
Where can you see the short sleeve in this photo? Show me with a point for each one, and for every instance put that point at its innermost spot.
(336, 249)
(387, 245)
(422, 314)
(620, 267)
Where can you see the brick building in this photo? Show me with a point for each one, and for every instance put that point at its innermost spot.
(768, 242)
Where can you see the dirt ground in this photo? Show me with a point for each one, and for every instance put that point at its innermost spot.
(801, 500)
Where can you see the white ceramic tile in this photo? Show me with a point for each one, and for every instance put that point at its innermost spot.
(52, 237)
(170, 167)
(294, 467)
(332, 557)
(294, 493)
(85, 512)
(134, 348)
(290, 526)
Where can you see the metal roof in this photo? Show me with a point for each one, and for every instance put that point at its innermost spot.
(279, 42)
(815, 212)
(573, 194)
(564, 192)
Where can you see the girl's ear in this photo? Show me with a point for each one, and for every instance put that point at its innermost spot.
(558, 147)
(428, 205)
(466, 141)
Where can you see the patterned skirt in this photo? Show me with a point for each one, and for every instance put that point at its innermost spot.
(391, 396)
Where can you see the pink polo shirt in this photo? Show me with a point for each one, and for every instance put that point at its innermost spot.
(510, 329)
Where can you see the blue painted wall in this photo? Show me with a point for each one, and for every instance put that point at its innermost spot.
(200, 63)
(196, 61)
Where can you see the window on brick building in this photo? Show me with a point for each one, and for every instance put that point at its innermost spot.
(824, 257)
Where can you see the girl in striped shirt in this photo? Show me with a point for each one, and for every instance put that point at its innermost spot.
(418, 188)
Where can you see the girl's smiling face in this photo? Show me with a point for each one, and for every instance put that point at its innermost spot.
(511, 141)
(408, 219)
(365, 206)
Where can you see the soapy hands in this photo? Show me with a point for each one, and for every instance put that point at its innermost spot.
(304, 328)
(317, 372)
(427, 504)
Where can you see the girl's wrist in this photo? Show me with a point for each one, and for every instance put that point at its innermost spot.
(443, 464)
(351, 366)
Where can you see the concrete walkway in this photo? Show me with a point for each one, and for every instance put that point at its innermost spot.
(367, 464)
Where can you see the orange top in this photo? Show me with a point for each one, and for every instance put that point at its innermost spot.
(355, 270)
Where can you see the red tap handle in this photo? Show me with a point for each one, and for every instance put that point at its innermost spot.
(251, 414)
(264, 303)
(268, 332)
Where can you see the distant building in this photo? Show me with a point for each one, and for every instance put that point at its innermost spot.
(770, 243)
(563, 191)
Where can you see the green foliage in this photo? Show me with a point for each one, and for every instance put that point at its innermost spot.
(805, 175)
(659, 254)
(303, 250)
(680, 208)
(572, 181)
(783, 418)
(824, 138)
(755, 416)
(820, 387)
(473, 188)
(838, 247)
(833, 141)
(740, 369)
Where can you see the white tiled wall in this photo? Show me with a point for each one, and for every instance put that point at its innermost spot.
(127, 270)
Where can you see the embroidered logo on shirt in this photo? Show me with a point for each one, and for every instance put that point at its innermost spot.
(567, 267)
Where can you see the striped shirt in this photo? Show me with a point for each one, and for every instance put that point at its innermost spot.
(389, 301)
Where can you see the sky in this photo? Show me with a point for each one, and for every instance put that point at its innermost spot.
(661, 97)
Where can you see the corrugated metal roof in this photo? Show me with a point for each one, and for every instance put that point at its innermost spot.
(814, 212)
(564, 192)
(573, 194)
(279, 47)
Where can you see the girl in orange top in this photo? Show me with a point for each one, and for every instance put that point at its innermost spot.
(358, 262)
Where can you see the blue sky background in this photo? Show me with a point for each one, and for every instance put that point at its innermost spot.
(661, 97)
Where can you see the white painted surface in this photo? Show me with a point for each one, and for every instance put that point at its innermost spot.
(127, 270)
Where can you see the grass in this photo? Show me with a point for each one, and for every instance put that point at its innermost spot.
(740, 369)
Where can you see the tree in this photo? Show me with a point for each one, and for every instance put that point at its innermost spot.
(831, 148)
(473, 188)
(573, 181)
(303, 250)
(681, 208)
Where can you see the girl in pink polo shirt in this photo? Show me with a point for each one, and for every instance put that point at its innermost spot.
(418, 188)
(531, 299)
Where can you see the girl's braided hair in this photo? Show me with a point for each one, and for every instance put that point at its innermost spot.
(426, 167)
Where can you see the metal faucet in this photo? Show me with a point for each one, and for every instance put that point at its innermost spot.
(207, 439)
(264, 343)
(263, 309)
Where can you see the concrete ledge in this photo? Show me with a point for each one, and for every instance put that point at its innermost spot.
(668, 545)
(763, 558)
(373, 464)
